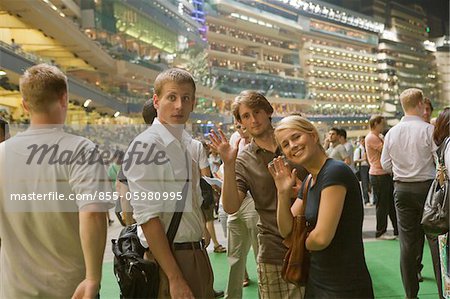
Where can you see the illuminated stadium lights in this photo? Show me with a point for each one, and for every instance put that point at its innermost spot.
(336, 15)
(87, 103)
(251, 20)
(54, 7)
(363, 58)
(332, 64)
(345, 86)
(340, 97)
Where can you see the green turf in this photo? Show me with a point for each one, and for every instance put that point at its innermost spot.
(382, 259)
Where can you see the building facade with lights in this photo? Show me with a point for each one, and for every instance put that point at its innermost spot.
(442, 55)
(334, 65)
(405, 53)
(306, 56)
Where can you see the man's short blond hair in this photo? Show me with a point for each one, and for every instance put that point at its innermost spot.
(410, 98)
(175, 75)
(41, 86)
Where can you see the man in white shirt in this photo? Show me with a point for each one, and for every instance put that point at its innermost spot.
(408, 153)
(242, 229)
(159, 166)
(361, 165)
(51, 248)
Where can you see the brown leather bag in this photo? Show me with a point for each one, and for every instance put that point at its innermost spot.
(296, 261)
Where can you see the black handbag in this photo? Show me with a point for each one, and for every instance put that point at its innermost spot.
(136, 276)
(435, 218)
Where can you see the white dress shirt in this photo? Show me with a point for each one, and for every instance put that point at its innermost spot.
(165, 178)
(359, 153)
(408, 150)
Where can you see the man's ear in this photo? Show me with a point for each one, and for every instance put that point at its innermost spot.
(194, 102)
(25, 106)
(155, 101)
(63, 101)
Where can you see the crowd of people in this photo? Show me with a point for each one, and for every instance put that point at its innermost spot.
(56, 251)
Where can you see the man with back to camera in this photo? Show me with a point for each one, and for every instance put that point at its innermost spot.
(382, 184)
(408, 153)
(187, 269)
(248, 172)
(50, 249)
(4, 134)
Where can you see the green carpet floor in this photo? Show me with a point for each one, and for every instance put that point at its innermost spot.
(382, 259)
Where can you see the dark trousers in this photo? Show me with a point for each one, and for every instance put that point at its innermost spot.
(364, 173)
(383, 192)
(409, 203)
(434, 249)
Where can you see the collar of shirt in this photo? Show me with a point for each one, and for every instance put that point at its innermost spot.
(254, 147)
(168, 138)
(408, 118)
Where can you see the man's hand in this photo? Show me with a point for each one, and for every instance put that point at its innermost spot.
(326, 142)
(179, 289)
(87, 289)
(220, 143)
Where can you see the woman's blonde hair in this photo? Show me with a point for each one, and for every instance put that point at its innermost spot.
(299, 123)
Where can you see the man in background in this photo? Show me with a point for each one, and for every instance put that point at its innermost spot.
(382, 184)
(333, 147)
(408, 153)
(53, 248)
(428, 110)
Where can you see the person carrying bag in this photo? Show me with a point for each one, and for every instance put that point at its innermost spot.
(139, 276)
(435, 220)
(296, 262)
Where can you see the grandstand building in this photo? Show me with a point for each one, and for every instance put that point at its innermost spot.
(308, 57)
(334, 65)
(405, 53)
(442, 55)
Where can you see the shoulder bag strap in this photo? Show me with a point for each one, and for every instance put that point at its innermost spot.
(442, 150)
(305, 194)
(176, 218)
(441, 158)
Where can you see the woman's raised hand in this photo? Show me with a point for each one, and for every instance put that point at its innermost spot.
(220, 143)
(284, 177)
